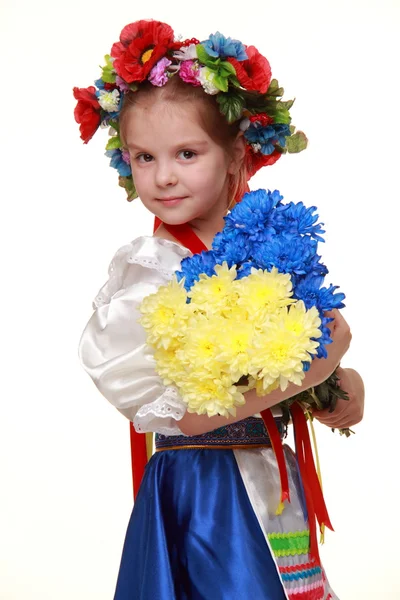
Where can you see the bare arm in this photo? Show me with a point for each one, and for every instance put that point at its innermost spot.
(194, 424)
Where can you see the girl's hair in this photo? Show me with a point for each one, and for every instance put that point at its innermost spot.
(213, 122)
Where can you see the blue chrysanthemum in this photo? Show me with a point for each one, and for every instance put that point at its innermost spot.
(219, 46)
(289, 253)
(234, 248)
(317, 268)
(325, 339)
(267, 137)
(297, 218)
(118, 162)
(310, 291)
(193, 266)
(254, 215)
(245, 269)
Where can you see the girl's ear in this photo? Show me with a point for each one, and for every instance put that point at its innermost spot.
(238, 154)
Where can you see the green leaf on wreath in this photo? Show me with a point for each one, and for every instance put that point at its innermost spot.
(114, 124)
(226, 68)
(231, 106)
(297, 142)
(221, 83)
(287, 103)
(108, 74)
(202, 55)
(128, 184)
(274, 90)
(282, 115)
(114, 142)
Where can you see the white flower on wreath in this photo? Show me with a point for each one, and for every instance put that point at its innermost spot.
(109, 101)
(186, 53)
(206, 78)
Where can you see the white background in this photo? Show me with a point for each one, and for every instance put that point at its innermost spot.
(65, 466)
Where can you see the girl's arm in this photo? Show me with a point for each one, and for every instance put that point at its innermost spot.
(194, 424)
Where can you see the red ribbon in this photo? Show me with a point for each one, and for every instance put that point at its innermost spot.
(187, 237)
(277, 447)
(316, 507)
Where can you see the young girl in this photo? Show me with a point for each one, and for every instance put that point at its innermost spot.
(204, 525)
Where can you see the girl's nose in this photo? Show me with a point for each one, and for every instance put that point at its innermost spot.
(165, 175)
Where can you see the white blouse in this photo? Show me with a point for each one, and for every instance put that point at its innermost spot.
(113, 347)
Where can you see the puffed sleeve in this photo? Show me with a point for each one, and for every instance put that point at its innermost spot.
(113, 347)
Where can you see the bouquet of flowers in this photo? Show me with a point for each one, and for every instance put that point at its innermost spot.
(249, 313)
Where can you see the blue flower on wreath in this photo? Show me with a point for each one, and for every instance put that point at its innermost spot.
(289, 253)
(297, 218)
(267, 137)
(219, 46)
(117, 161)
(253, 215)
(193, 266)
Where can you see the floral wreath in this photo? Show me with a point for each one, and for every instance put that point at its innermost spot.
(238, 75)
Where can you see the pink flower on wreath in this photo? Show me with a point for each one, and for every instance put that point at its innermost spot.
(189, 72)
(123, 86)
(158, 75)
(126, 157)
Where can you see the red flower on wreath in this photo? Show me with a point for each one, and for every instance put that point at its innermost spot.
(262, 118)
(87, 112)
(256, 160)
(141, 46)
(253, 73)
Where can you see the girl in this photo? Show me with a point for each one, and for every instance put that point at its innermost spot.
(204, 524)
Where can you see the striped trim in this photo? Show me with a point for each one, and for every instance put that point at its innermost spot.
(313, 591)
(294, 568)
(290, 544)
(301, 574)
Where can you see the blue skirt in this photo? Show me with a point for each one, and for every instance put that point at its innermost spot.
(193, 534)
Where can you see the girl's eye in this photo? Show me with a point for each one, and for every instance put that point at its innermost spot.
(187, 154)
(144, 157)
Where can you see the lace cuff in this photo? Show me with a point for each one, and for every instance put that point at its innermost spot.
(162, 414)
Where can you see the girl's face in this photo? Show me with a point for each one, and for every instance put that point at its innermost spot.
(179, 172)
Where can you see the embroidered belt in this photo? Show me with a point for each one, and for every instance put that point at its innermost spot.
(249, 433)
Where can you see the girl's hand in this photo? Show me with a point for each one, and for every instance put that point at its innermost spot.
(347, 412)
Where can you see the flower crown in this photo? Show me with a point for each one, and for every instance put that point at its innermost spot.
(238, 75)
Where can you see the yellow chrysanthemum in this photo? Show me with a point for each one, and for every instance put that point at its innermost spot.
(235, 340)
(207, 395)
(261, 391)
(165, 315)
(263, 292)
(283, 346)
(169, 367)
(200, 346)
(303, 322)
(214, 294)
